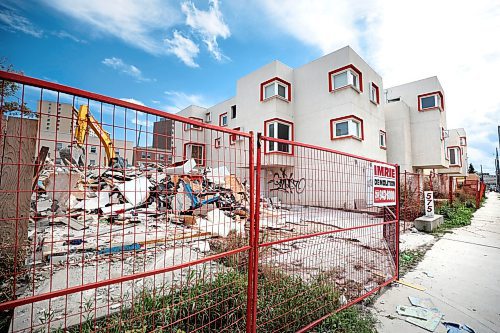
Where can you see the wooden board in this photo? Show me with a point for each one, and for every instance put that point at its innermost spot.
(17, 155)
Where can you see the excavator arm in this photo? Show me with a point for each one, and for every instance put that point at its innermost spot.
(86, 120)
(76, 154)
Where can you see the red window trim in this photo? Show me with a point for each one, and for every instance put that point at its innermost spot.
(333, 137)
(460, 140)
(377, 89)
(385, 140)
(292, 148)
(217, 143)
(204, 159)
(220, 119)
(193, 129)
(341, 69)
(441, 107)
(265, 83)
(234, 137)
(458, 157)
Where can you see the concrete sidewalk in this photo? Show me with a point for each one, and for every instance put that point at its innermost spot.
(462, 277)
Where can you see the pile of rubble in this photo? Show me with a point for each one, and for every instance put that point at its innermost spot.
(76, 212)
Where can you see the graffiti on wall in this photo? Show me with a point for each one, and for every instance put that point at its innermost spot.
(286, 183)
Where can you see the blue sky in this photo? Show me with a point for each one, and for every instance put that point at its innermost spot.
(169, 54)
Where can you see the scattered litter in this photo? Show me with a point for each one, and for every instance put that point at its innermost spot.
(121, 248)
(414, 286)
(421, 302)
(421, 317)
(457, 328)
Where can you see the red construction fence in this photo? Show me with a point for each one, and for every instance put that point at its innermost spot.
(157, 222)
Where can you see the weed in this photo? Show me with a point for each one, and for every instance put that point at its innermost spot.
(455, 215)
(409, 259)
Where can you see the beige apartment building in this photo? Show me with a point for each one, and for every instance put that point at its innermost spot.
(56, 127)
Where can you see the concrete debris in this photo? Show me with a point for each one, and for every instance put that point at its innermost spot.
(218, 175)
(136, 191)
(218, 223)
(78, 213)
(181, 168)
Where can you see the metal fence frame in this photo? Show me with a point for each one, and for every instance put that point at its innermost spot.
(390, 224)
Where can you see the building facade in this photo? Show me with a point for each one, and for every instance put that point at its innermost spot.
(334, 102)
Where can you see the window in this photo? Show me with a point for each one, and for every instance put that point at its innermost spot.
(347, 127)
(223, 119)
(433, 100)
(347, 76)
(196, 151)
(93, 149)
(463, 141)
(233, 137)
(454, 153)
(275, 87)
(374, 93)
(161, 157)
(148, 156)
(279, 129)
(143, 154)
(188, 127)
(58, 146)
(217, 143)
(382, 140)
(92, 162)
(233, 111)
(208, 117)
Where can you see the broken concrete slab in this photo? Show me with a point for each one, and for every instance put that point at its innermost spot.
(220, 224)
(136, 191)
(181, 168)
(93, 203)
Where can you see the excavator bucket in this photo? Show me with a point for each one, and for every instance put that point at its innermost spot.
(73, 154)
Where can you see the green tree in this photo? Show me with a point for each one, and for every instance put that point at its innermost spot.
(10, 103)
(471, 169)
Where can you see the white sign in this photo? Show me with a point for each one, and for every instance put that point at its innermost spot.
(384, 185)
(429, 203)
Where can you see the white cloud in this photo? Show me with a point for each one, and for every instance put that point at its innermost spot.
(184, 48)
(137, 23)
(179, 100)
(131, 70)
(66, 35)
(406, 41)
(209, 24)
(12, 22)
(132, 100)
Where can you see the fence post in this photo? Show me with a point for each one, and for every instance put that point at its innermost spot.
(450, 190)
(398, 193)
(253, 247)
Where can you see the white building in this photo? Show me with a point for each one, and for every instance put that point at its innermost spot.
(417, 135)
(333, 102)
(338, 102)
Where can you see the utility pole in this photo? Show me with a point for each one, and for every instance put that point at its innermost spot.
(482, 178)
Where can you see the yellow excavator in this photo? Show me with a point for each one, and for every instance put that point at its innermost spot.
(76, 153)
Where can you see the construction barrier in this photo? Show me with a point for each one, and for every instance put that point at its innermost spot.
(412, 198)
(325, 242)
(117, 217)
